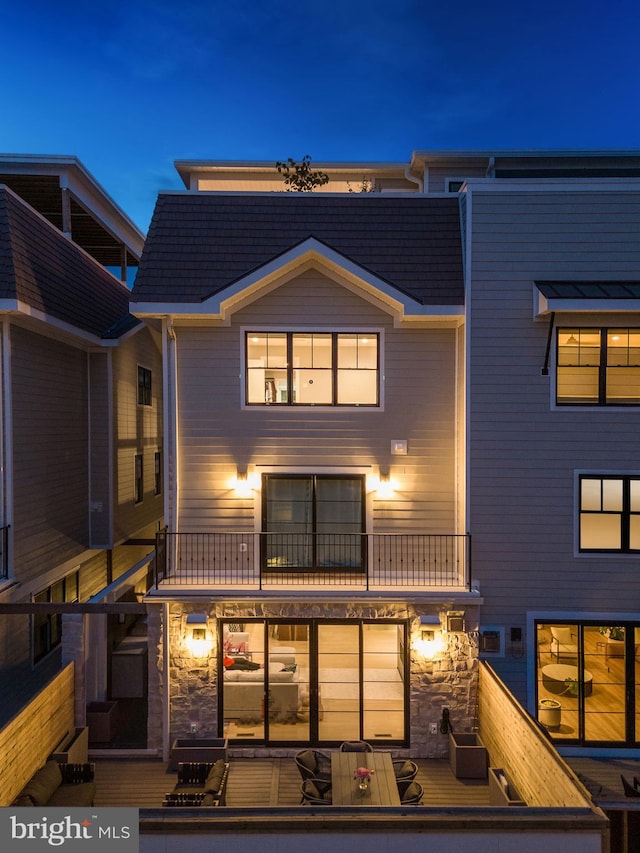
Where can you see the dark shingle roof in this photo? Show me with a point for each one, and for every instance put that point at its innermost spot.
(200, 243)
(589, 289)
(42, 268)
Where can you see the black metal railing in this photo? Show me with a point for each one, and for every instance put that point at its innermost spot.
(264, 560)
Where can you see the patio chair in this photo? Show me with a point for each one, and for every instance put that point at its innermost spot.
(410, 793)
(563, 644)
(316, 792)
(629, 789)
(405, 770)
(356, 746)
(313, 764)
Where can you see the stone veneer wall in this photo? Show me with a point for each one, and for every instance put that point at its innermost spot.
(450, 681)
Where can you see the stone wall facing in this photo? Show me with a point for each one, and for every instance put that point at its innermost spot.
(449, 681)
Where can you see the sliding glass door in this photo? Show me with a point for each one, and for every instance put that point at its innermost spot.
(314, 681)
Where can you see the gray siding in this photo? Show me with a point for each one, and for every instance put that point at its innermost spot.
(523, 453)
(217, 436)
(50, 450)
(137, 429)
(100, 511)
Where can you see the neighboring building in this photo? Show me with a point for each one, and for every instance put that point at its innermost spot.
(361, 385)
(81, 441)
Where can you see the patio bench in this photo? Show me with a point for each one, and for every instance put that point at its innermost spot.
(200, 783)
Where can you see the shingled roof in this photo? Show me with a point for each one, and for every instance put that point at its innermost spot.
(41, 268)
(200, 243)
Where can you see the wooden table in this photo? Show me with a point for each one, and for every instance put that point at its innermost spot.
(382, 790)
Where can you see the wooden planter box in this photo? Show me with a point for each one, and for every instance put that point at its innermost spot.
(73, 749)
(198, 749)
(501, 789)
(467, 756)
(101, 721)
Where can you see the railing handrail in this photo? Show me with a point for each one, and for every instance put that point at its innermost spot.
(263, 559)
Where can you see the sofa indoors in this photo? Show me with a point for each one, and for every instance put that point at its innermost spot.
(244, 689)
(62, 785)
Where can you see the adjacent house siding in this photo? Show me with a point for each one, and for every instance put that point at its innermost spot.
(137, 429)
(50, 450)
(524, 453)
(100, 511)
(217, 435)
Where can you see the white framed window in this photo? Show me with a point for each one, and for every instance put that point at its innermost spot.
(312, 368)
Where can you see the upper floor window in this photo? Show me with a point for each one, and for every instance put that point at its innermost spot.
(598, 367)
(609, 513)
(46, 628)
(138, 478)
(144, 386)
(312, 368)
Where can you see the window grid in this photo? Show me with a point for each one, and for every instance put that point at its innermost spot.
(144, 386)
(598, 367)
(610, 514)
(274, 381)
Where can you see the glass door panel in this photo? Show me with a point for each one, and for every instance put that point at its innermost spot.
(383, 681)
(338, 682)
(290, 694)
(604, 684)
(243, 680)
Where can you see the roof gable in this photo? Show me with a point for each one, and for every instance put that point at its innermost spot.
(201, 245)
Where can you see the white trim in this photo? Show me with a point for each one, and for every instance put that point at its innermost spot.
(16, 307)
(545, 305)
(559, 184)
(308, 255)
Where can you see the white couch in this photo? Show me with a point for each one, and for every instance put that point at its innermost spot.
(244, 694)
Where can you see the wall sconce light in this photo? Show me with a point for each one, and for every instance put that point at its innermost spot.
(455, 621)
(385, 485)
(243, 485)
(197, 638)
(430, 643)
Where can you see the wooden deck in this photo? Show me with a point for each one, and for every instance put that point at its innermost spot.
(261, 782)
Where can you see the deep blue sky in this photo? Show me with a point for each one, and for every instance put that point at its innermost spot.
(129, 86)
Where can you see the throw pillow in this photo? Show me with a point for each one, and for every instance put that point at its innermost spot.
(291, 668)
(244, 663)
(229, 662)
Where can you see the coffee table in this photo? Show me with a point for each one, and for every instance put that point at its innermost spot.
(555, 676)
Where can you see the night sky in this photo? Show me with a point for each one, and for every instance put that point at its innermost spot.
(129, 86)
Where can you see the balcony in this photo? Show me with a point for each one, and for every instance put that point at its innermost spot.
(305, 561)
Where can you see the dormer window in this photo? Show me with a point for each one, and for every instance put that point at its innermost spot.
(312, 368)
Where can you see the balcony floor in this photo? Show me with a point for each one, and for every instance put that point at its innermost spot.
(262, 782)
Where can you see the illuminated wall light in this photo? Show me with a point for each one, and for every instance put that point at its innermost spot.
(385, 485)
(243, 483)
(430, 643)
(197, 638)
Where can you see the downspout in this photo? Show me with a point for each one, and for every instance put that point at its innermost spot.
(6, 438)
(413, 179)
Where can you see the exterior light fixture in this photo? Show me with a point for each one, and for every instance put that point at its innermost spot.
(430, 643)
(197, 638)
(385, 485)
(243, 484)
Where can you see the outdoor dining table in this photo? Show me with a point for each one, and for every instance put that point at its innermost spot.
(382, 790)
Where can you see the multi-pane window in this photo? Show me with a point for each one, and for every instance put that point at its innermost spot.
(47, 627)
(138, 479)
(313, 522)
(609, 513)
(144, 386)
(312, 368)
(598, 367)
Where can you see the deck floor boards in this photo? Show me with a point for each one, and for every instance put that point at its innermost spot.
(261, 782)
